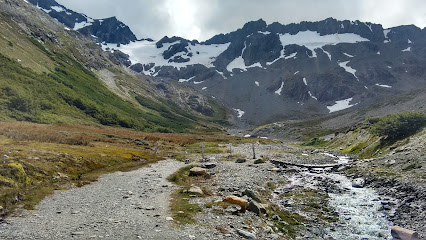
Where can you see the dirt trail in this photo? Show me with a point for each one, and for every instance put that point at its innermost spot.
(129, 205)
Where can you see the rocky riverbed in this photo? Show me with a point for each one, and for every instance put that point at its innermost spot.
(286, 202)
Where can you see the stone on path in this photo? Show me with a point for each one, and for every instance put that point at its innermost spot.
(196, 189)
(245, 234)
(209, 165)
(197, 171)
(240, 160)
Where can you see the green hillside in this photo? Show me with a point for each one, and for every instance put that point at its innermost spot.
(49, 82)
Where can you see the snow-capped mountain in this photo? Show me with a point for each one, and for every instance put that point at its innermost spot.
(274, 72)
(268, 72)
(108, 30)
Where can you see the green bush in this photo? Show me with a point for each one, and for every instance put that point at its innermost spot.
(399, 125)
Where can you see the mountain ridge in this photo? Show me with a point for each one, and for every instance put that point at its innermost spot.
(109, 30)
(343, 57)
(272, 72)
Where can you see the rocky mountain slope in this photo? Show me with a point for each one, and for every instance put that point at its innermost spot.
(51, 73)
(108, 30)
(273, 72)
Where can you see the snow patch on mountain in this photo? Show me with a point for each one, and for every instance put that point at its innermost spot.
(407, 49)
(328, 54)
(257, 83)
(44, 10)
(58, 8)
(80, 25)
(348, 69)
(386, 32)
(239, 63)
(221, 74)
(146, 52)
(313, 40)
(293, 55)
(348, 55)
(280, 89)
(369, 26)
(264, 33)
(383, 85)
(312, 96)
(305, 82)
(341, 105)
(186, 80)
(240, 112)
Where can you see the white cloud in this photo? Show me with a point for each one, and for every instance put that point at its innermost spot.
(203, 19)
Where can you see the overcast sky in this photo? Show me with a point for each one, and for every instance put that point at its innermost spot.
(202, 19)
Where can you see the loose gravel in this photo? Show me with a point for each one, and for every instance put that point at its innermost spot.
(122, 205)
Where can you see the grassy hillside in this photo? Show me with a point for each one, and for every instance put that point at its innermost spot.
(45, 78)
(374, 137)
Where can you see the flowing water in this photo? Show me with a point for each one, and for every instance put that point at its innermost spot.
(358, 208)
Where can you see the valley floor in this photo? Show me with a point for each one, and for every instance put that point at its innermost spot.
(296, 203)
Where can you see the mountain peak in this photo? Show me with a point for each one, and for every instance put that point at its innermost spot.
(254, 26)
(109, 30)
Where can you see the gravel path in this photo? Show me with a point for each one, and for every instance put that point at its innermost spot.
(122, 205)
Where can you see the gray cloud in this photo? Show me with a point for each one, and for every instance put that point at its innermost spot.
(195, 19)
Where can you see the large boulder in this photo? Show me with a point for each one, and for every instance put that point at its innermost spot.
(251, 194)
(256, 207)
(358, 183)
(196, 190)
(197, 171)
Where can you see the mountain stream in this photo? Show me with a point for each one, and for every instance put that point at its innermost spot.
(358, 208)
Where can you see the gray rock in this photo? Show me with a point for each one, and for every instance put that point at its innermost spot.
(209, 165)
(240, 160)
(358, 183)
(245, 234)
(196, 189)
(252, 195)
(197, 171)
(256, 207)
